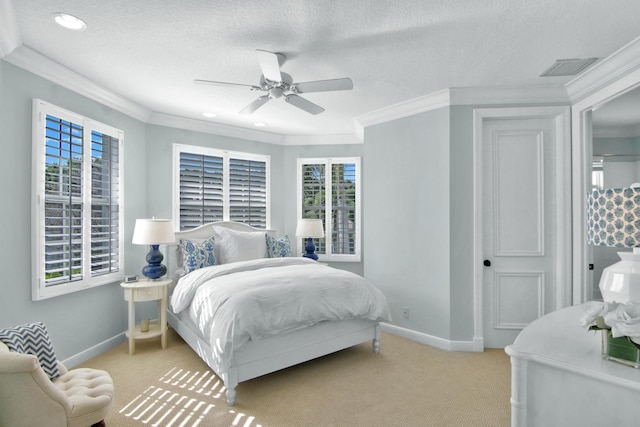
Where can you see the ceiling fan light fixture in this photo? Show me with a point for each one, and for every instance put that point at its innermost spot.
(69, 22)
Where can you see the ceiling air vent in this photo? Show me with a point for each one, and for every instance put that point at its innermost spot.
(568, 67)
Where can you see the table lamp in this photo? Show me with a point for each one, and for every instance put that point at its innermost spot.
(153, 232)
(613, 219)
(310, 228)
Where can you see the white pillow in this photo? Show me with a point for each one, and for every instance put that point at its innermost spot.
(239, 245)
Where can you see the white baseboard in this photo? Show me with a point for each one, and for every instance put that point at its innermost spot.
(441, 343)
(91, 352)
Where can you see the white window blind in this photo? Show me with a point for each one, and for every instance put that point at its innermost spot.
(329, 189)
(214, 185)
(248, 191)
(77, 202)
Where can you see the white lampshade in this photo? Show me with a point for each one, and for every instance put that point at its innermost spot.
(310, 228)
(153, 232)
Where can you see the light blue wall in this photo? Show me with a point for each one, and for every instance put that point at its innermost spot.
(79, 320)
(408, 218)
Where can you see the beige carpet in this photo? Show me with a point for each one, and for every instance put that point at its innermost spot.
(406, 384)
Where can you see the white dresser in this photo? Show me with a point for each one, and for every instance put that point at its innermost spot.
(558, 377)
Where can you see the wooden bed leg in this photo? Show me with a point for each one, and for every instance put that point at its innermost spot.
(376, 345)
(231, 396)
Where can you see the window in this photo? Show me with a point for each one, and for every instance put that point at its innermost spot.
(214, 185)
(77, 202)
(329, 189)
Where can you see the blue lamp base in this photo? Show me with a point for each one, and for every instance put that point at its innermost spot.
(311, 249)
(154, 269)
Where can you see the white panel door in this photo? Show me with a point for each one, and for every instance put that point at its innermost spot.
(518, 211)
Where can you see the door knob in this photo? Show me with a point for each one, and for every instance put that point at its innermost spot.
(487, 263)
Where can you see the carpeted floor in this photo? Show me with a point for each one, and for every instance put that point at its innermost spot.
(406, 384)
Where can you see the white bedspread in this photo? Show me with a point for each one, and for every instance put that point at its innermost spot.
(234, 303)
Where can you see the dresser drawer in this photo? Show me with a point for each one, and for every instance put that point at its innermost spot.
(145, 294)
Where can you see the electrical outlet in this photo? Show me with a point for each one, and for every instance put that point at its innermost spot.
(405, 312)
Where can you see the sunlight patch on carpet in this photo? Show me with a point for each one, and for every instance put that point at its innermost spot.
(184, 399)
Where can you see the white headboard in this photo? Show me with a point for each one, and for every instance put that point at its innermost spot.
(204, 231)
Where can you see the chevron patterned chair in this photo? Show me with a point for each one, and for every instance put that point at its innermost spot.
(36, 389)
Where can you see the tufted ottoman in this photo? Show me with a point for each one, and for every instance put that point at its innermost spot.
(90, 392)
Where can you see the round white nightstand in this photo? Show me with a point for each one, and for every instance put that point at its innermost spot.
(147, 290)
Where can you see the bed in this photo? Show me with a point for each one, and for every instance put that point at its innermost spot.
(249, 308)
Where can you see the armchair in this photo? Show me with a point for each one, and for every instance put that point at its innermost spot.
(78, 397)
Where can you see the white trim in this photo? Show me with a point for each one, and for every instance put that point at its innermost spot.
(328, 162)
(177, 122)
(620, 63)
(93, 351)
(10, 37)
(463, 96)
(582, 148)
(421, 104)
(225, 155)
(46, 68)
(39, 290)
(433, 341)
(509, 95)
(563, 184)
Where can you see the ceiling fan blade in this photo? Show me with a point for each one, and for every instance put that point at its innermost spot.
(303, 104)
(249, 109)
(323, 85)
(270, 65)
(214, 83)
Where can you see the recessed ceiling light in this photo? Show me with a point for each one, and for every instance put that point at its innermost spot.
(209, 115)
(259, 124)
(69, 21)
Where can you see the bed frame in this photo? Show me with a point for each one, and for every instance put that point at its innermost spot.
(257, 358)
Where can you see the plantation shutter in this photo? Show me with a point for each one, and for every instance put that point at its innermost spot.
(201, 189)
(248, 192)
(63, 194)
(329, 190)
(105, 208)
(314, 198)
(77, 202)
(343, 208)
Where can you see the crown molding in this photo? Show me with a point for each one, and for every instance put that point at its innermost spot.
(178, 122)
(464, 96)
(46, 68)
(10, 37)
(38, 64)
(341, 139)
(509, 95)
(403, 109)
(617, 65)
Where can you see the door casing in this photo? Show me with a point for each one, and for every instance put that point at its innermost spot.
(561, 116)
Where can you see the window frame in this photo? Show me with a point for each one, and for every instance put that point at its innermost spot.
(328, 163)
(225, 155)
(40, 290)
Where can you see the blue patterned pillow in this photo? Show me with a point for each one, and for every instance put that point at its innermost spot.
(277, 248)
(197, 254)
(32, 338)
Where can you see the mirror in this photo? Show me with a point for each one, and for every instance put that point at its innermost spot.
(615, 163)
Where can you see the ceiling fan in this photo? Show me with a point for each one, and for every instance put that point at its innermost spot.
(280, 85)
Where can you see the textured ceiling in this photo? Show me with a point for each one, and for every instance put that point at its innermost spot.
(151, 51)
